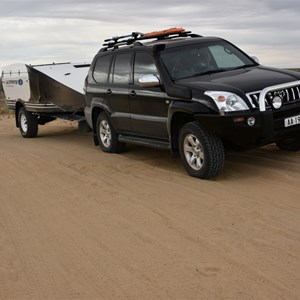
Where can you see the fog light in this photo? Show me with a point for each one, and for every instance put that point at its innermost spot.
(277, 102)
(239, 120)
(251, 121)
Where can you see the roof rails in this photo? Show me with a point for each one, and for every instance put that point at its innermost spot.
(115, 42)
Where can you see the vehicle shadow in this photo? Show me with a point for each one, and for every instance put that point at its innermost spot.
(238, 164)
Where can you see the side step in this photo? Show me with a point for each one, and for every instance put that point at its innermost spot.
(144, 142)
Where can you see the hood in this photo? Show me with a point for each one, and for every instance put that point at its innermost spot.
(245, 80)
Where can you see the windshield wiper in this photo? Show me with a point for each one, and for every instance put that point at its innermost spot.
(242, 67)
(208, 72)
(221, 70)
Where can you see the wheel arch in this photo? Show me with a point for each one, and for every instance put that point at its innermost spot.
(180, 113)
(179, 119)
(97, 106)
(95, 112)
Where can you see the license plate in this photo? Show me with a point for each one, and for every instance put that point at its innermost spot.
(295, 120)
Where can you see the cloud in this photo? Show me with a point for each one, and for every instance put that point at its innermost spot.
(73, 30)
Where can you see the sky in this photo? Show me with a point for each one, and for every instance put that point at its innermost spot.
(47, 31)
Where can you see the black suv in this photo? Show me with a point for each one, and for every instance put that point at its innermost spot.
(190, 94)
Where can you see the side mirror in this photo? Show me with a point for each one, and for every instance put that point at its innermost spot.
(255, 58)
(149, 80)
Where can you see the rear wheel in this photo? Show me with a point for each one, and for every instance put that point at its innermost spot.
(28, 123)
(202, 153)
(107, 136)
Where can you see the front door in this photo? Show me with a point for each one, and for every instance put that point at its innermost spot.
(148, 106)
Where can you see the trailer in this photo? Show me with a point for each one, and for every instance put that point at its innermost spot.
(39, 94)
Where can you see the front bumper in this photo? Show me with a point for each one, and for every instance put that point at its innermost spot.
(237, 129)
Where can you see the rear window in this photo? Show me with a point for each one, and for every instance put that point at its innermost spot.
(101, 69)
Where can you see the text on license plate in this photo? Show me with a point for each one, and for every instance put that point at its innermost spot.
(295, 120)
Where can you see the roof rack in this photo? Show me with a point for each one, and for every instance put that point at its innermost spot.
(115, 42)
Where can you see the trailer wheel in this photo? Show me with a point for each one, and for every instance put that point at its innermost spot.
(202, 153)
(107, 136)
(28, 123)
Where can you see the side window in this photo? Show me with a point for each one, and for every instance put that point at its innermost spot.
(101, 69)
(122, 68)
(144, 64)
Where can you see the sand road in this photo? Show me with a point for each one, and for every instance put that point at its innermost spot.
(77, 223)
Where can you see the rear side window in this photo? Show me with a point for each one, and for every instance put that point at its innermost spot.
(122, 68)
(101, 69)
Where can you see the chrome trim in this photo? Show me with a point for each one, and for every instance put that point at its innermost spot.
(294, 95)
(262, 96)
(255, 95)
(287, 95)
(298, 91)
(43, 107)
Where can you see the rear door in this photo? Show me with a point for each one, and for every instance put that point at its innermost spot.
(116, 93)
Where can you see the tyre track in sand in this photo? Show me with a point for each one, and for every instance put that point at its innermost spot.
(77, 223)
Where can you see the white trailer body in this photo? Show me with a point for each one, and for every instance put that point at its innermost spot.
(41, 93)
(45, 88)
(15, 83)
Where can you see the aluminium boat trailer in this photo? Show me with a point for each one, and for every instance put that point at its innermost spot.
(39, 94)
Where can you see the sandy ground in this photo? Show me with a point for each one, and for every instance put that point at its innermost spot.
(77, 223)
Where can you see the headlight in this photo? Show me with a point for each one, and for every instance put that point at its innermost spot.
(227, 101)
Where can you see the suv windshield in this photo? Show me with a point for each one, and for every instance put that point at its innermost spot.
(199, 59)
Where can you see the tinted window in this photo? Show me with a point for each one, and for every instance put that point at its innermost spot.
(197, 59)
(101, 69)
(144, 64)
(122, 68)
(225, 56)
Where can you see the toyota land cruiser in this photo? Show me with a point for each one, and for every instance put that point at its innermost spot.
(191, 94)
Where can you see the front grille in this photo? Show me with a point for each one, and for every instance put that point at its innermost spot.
(288, 95)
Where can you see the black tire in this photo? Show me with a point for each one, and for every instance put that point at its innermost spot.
(107, 136)
(202, 153)
(289, 143)
(28, 123)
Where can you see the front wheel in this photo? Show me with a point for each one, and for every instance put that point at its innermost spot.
(290, 143)
(28, 123)
(202, 153)
(107, 136)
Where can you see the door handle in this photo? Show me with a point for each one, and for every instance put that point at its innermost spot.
(132, 93)
(108, 91)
